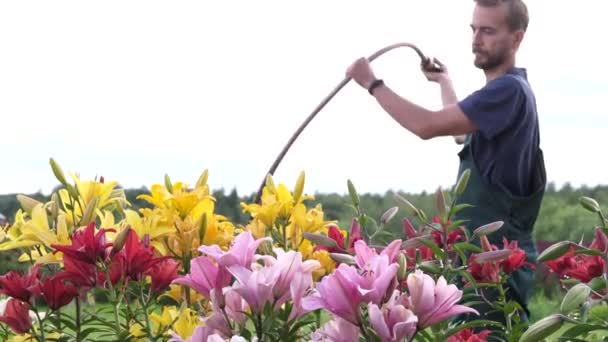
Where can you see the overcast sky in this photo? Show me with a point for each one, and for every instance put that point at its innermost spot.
(132, 90)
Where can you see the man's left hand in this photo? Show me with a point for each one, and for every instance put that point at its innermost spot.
(361, 72)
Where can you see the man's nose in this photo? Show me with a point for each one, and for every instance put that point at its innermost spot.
(477, 38)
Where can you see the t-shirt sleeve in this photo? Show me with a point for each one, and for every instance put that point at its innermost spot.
(494, 107)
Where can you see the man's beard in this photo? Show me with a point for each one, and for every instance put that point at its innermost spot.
(489, 61)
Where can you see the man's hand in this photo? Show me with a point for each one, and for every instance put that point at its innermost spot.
(434, 75)
(361, 72)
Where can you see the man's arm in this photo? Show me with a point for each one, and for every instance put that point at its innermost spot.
(448, 95)
(425, 123)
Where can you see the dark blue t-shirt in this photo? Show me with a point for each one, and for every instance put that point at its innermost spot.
(506, 145)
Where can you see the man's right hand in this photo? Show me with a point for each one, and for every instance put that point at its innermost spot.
(434, 75)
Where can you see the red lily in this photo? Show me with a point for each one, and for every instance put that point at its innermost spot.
(517, 258)
(80, 273)
(467, 335)
(56, 293)
(453, 236)
(489, 272)
(582, 267)
(87, 246)
(484, 272)
(335, 234)
(134, 259)
(22, 287)
(162, 274)
(17, 316)
(425, 252)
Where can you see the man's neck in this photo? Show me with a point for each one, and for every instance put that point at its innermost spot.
(500, 70)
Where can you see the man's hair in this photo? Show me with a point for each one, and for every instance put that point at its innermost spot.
(517, 15)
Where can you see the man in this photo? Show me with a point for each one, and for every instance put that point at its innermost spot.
(500, 124)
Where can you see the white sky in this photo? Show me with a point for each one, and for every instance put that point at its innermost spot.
(132, 90)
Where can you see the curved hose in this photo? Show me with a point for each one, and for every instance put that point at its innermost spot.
(426, 62)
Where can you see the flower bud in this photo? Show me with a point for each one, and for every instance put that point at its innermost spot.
(388, 215)
(597, 283)
(554, 251)
(462, 182)
(402, 272)
(440, 204)
(488, 229)
(343, 258)
(576, 296)
(270, 184)
(202, 229)
(54, 205)
(543, 328)
(299, 189)
(202, 180)
(120, 239)
(354, 196)
(492, 256)
(409, 207)
(590, 204)
(89, 212)
(320, 240)
(414, 242)
(168, 184)
(58, 172)
(27, 203)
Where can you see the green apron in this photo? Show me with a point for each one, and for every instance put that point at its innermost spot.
(518, 214)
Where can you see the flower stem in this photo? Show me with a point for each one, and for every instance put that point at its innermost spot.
(42, 338)
(503, 299)
(144, 304)
(78, 318)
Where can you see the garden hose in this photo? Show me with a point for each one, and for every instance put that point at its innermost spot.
(427, 63)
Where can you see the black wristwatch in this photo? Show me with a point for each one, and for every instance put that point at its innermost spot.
(375, 84)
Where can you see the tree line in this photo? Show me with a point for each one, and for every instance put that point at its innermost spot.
(561, 216)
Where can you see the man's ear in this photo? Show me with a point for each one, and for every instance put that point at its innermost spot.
(519, 36)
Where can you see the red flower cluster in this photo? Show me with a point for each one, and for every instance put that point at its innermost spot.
(24, 289)
(437, 237)
(490, 272)
(82, 263)
(467, 335)
(335, 234)
(579, 266)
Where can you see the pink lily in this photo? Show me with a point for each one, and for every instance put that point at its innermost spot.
(205, 276)
(431, 302)
(338, 294)
(394, 322)
(374, 279)
(240, 253)
(289, 265)
(255, 286)
(364, 253)
(337, 330)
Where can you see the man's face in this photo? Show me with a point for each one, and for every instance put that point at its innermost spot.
(493, 42)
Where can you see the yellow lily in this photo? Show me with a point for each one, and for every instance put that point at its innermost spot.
(186, 322)
(36, 232)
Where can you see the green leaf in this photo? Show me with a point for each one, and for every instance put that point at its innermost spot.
(86, 332)
(429, 267)
(465, 246)
(459, 207)
(580, 329)
(439, 253)
(587, 251)
(599, 313)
